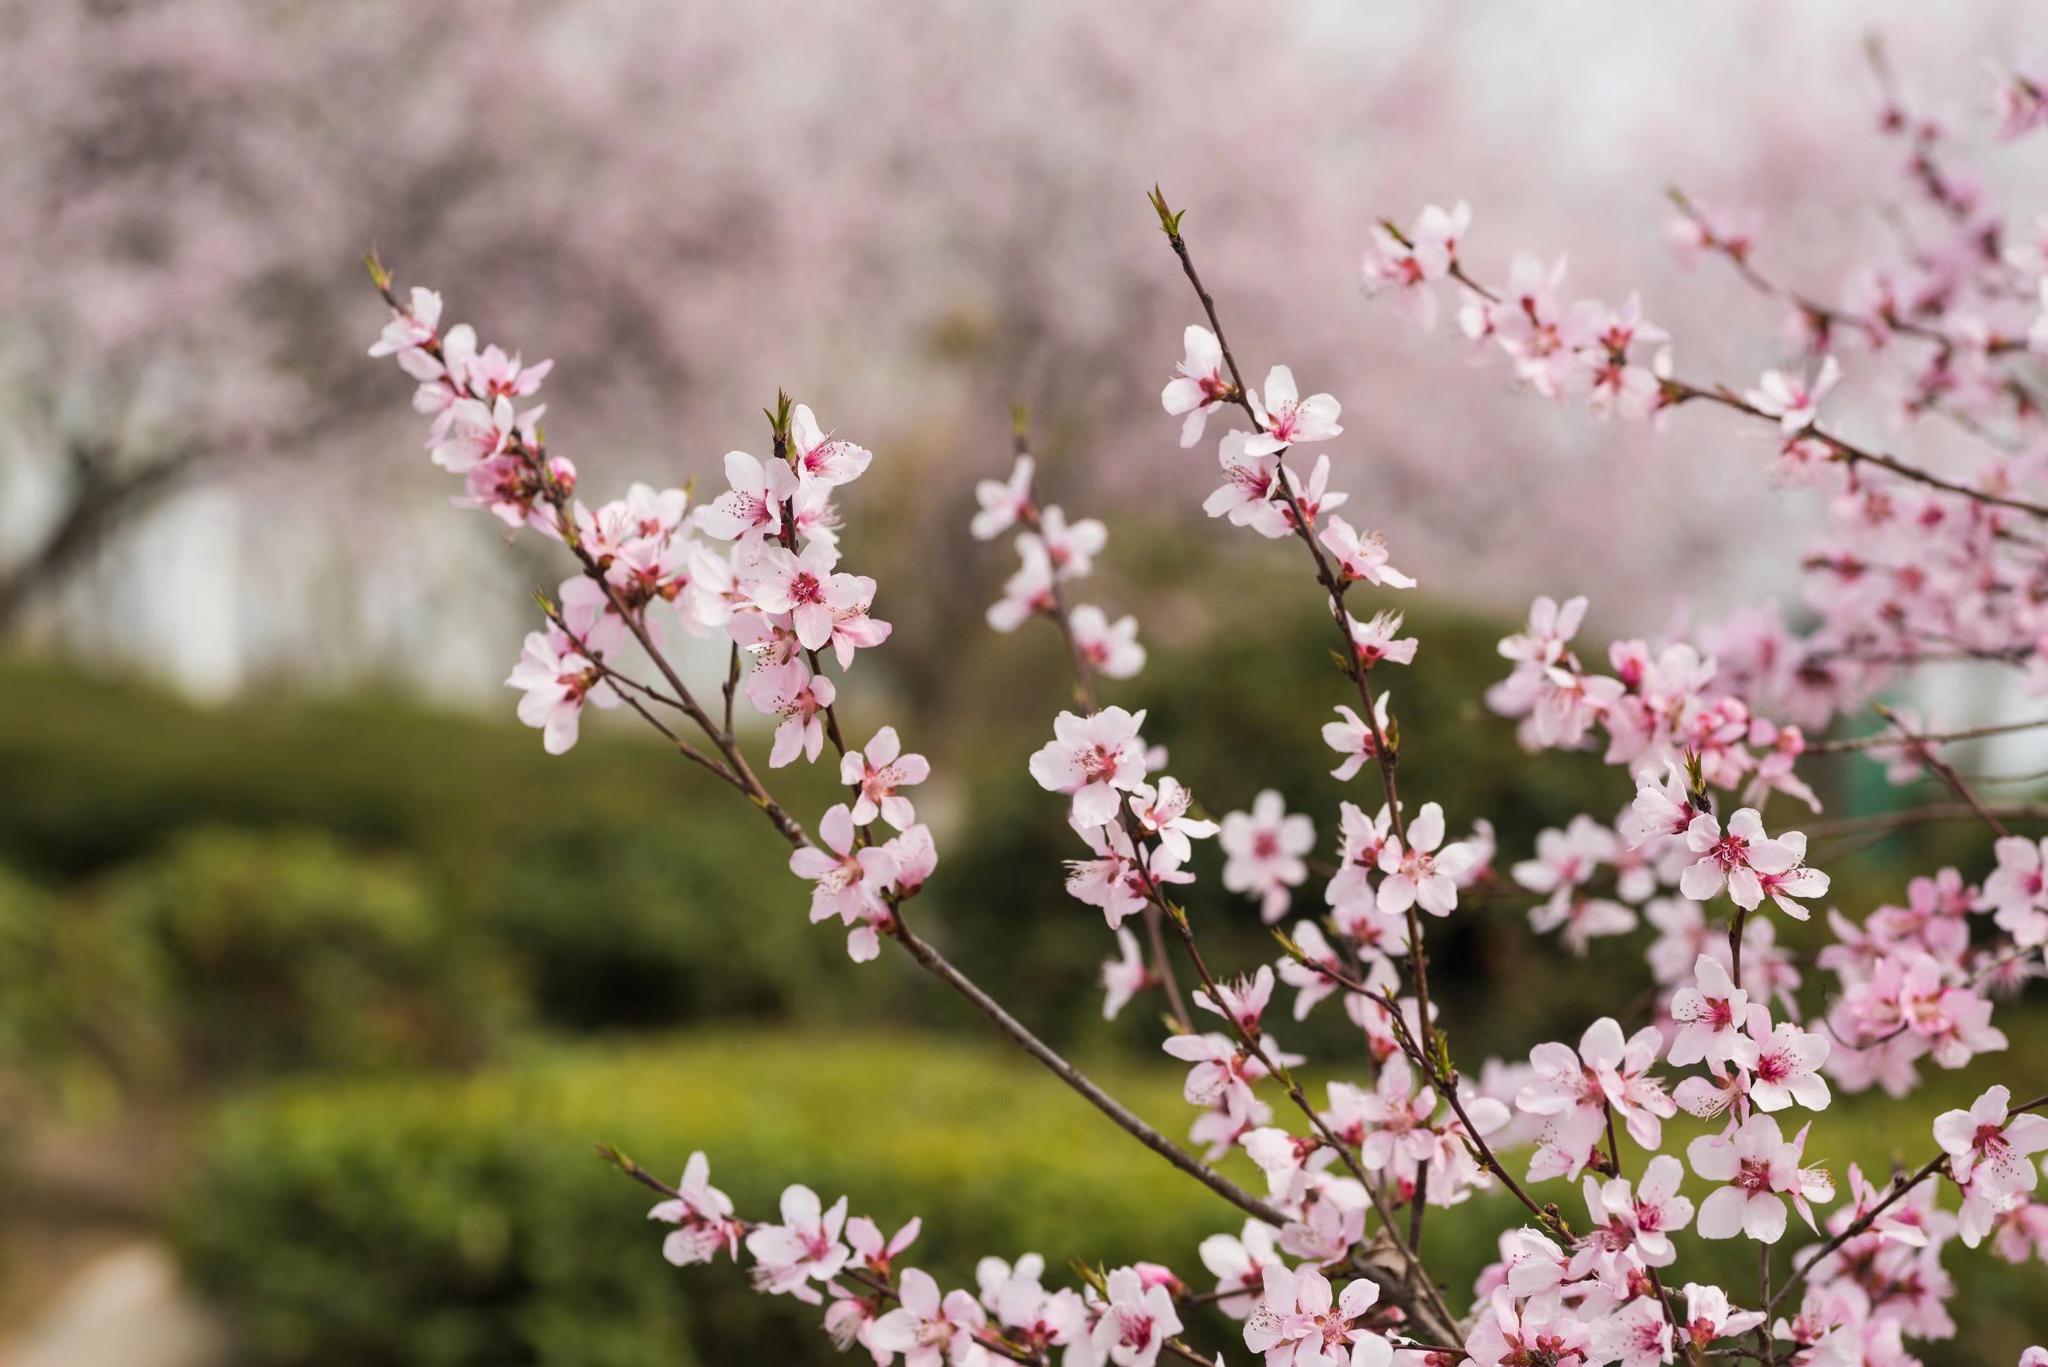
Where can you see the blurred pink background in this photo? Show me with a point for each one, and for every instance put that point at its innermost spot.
(909, 215)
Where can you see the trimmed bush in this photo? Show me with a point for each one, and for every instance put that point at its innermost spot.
(80, 1004)
(461, 1224)
(286, 951)
(450, 1224)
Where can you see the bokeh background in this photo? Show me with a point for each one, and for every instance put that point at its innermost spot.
(318, 981)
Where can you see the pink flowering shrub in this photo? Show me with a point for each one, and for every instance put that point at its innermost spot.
(1707, 731)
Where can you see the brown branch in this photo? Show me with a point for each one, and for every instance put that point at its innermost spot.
(1944, 771)
(1883, 740)
(1681, 391)
(935, 963)
(1384, 755)
(1417, 1273)
(1924, 816)
(99, 502)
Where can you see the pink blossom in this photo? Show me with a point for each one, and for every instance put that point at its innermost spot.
(821, 458)
(1222, 1074)
(1392, 1121)
(1532, 326)
(878, 772)
(1353, 739)
(1791, 400)
(1783, 1064)
(1265, 851)
(1708, 1315)
(1198, 383)
(558, 679)
(1576, 1088)
(916, 856)
(1550, 629)
(1566, 859)
(1361, 555)
(1759, 1168)
(1660, 810)
(1583, 919)
(1361, 840)
(1018, 1299)
(1125, 976)
(2022, 105)
(1110, 648)
(512, 489)
(1286, 418)
(1735, 860)
(1636, 1335)
(1508, 1332)
(1412, 263)
(1239, 1263)
(804, 586)
(1093, 758)
(1988, 1145)
(1417, 872)
(1299, 1323)
(1312, 498)
(1136, 1321)
(849, 879)
(1117, 879)
(1242, 1003)
(801, 730)
(1026, 593)
(1003, 502)
(1162, 811)
(1070, 550)
(1291, 1163)
(1375, 640)
(1310, 985)
(1641, 1218)
(412, 326)
(702, 1215)
(753, 506)
(477, 432)
(1247, 489)
(864, 1237)
(804, 1248)
(1710, 1014)
(490, 373)
(2018, 889)
(928, 1330)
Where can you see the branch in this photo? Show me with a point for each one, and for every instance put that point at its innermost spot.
(1680, 391)
(99, 502)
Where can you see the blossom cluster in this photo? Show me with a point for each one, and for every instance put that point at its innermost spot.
(1321, 1268)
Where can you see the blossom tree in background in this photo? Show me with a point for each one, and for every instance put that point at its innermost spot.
(1712, 842)
(180, 177)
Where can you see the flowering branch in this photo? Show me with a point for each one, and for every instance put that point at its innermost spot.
(1705, 729)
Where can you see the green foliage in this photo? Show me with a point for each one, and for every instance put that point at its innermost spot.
(471, 1223)
(609, 878)
(79, 1001)
(285, 951)
(229, 954)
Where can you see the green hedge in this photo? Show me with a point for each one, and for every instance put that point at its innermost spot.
(286, 951)
(444, 1225)
(630, 890)
(230, 954)
(447, 1225)
(80, 1005)
(606, 878)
